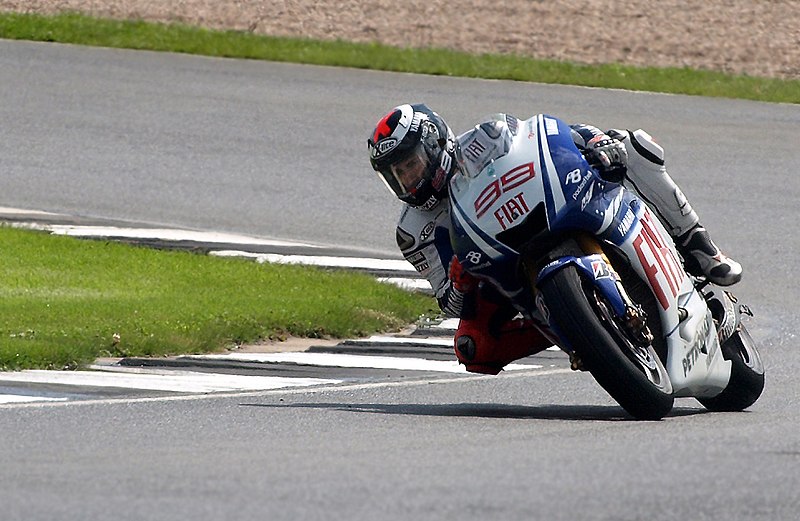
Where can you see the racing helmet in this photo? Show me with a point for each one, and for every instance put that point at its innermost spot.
(412, 149)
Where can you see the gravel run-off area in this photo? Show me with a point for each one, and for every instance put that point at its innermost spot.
(754, 37)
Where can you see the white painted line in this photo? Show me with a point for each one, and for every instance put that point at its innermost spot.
(15, 398)
(166, 234)
(169, 234)
(20, 211)
(408, 284)
(448, 323)
(320, 260)
(160, 380)
(353, 361)
(422, 341)
(290, 391)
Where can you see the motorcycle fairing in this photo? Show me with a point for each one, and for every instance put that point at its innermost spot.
(694, 363)
(547, 167)
(543, 166)
(484, 256)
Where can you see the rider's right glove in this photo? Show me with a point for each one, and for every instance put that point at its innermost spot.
(461, 280)
(609, 156)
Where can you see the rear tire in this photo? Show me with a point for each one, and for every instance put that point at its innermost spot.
(634, 377)
(747, 375)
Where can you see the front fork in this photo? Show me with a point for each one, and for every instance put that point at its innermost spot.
(633, 318)
(597, 269)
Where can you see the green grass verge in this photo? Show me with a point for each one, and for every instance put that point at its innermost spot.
(84, 30)
(62, 300)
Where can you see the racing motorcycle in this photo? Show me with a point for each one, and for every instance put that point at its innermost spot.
(588, 260)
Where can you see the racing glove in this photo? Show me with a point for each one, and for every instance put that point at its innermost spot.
(461, 280)
(458, 298)
(609, 156)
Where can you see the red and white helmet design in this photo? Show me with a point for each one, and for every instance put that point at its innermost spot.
(411, 148)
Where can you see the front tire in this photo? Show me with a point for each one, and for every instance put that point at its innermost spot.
(747, 374)
(633, 376)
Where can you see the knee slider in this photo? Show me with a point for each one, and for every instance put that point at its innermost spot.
(478, 350)
(466, 351)
(465, 348)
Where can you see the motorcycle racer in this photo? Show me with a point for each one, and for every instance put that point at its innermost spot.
(416, 154)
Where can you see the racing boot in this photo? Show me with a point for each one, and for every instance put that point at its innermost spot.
(701, 257)
(648, 176)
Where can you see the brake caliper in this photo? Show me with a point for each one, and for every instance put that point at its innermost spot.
(635, 321)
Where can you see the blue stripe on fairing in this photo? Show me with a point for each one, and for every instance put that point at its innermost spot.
(485, 242)
(554, 197)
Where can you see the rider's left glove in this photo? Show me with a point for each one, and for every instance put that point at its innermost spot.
(609, 156)
(460, 278)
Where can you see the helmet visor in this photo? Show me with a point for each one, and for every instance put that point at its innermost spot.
(404, 176)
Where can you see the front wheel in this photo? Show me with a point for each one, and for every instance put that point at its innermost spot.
(633, 375)
(747, 375)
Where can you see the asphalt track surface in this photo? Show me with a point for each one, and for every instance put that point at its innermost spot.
(277, 150)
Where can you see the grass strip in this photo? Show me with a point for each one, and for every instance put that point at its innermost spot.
(64, 300)
(81, 29)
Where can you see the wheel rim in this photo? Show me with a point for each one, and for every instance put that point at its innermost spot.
(644, 358)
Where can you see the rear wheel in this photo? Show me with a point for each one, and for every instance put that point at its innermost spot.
(632, 374)
(747, 374)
